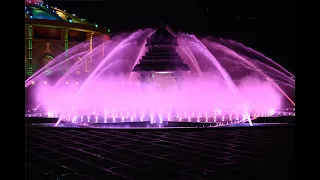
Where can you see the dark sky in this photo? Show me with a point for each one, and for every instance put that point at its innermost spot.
(267, 26)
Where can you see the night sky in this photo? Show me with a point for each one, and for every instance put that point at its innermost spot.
(267, 26)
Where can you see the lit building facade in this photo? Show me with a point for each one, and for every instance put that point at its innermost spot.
(50, 31)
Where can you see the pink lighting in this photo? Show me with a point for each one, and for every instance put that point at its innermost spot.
(223, 85)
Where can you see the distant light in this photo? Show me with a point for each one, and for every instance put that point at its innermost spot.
(70, 20)
(291, 77)
(272, 111)
(64, 10)
(81, 19)
(25, 7)
(28, 12)
(163, 72)
(76, 82)
(109, 30)
(67, 82)
(73, 14)
(32, 82)
(96, 25)
(53, 10)
(45, 82)
(30, 16)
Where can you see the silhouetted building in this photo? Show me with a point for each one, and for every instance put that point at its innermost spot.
(161, 57)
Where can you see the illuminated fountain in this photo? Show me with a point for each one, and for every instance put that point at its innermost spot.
(156, 78)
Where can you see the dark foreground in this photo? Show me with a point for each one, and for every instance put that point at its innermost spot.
(217, 153)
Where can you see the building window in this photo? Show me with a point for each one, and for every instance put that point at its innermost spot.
(46, 59)
(77, 36)
(47, 33)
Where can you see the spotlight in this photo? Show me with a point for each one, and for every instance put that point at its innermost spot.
(45, 82)
(32, 82)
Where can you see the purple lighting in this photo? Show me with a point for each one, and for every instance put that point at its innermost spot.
(195, 79)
